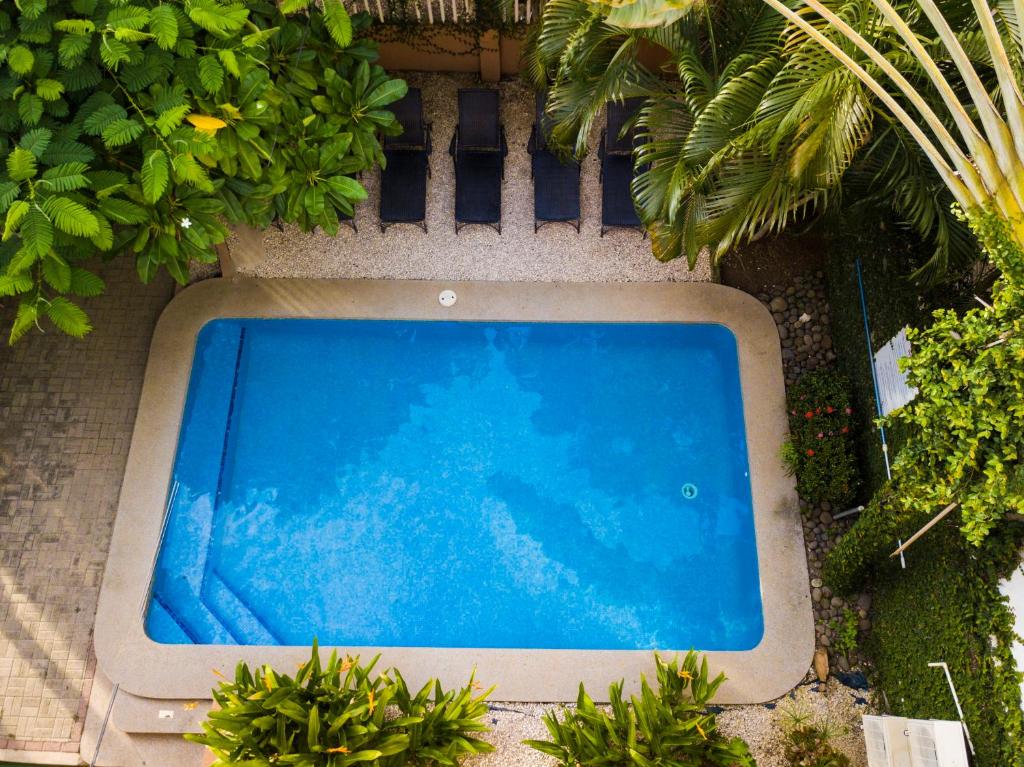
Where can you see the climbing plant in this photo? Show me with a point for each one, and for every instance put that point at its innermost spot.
(146, 126)
(966, 424)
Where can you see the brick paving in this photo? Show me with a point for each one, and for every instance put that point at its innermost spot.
(67, 408)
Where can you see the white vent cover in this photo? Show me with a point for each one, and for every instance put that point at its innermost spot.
(897, 742)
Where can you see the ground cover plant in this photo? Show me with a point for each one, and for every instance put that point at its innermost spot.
(670, 725)
(819, 450)
(146, 126)
(808, 743)
(340, 714)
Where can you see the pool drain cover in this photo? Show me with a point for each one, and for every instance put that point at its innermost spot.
(447, 298)
(689, 491)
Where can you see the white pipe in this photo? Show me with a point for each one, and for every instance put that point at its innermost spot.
(956, 700)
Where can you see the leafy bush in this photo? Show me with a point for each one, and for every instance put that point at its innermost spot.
(820, 450)
(966, 424)
(339, 715)
(846, 627)
(946, 606)
(146, 125)
(670, 726)
(808, 745)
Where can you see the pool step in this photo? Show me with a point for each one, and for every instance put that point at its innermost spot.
(186, 607)
(232, 611)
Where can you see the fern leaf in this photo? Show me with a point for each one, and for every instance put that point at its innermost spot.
(221, 19)
(338, 23)
(68, 317)
(21, 60)
(57, 273)
(67, 150)
(75, 26)
(291, 6)
(36, 141)
(15, 214)
(72, 49)
(230, 62)
(13, 284)
(104, 239)
(21, 164)
(121, 132)
(163, 23)
(211, 73)
(66, 177)
(171, 118)
(49, 90)
(30, 108)
(36, 240)
(113, 52)
(155, 175)
(26, 317)
(100, 118)
(9, 191)
(84, 283)
(71, 217)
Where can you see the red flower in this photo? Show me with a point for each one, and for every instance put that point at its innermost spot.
(821, 435)
(849, 410)
(808, 414)
(810, 452)
(817, 410)
(845, 429)
(830, 409)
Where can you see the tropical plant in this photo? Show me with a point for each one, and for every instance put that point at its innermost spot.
(984, 167)
(819, 450)
(966, 423)
(809, 743)
(670, 726)
(341, 714)
(757, 127)
(146, 126)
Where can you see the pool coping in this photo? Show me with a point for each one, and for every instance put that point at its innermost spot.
(148, 669)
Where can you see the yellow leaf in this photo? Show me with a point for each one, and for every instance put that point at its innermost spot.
(206, 123)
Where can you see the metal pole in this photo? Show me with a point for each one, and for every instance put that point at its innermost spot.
(874, 381)
(956, 700)
(103, 726)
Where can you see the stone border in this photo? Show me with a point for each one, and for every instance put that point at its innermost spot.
(151, 670)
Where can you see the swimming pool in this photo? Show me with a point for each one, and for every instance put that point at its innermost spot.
(461, 484)
(620, 509)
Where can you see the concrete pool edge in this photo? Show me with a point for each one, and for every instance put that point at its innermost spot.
(150, 670)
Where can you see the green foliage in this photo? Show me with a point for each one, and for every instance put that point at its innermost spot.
(808, 746)
(670, 726)
(966, 423)
(340, 714)
(846, 631)
(146, 126)
(820, 449)
(755, 127)
(946, 607)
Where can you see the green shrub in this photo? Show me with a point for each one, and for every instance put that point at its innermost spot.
(147, 125)
(340, 714)
(819, 449)
(808, 746)
(846, 628)
(667, 726)
(946, 607)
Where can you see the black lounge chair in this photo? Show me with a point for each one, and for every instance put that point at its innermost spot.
(478, 149)
(403, 180)
(556, 184)
(616, 153)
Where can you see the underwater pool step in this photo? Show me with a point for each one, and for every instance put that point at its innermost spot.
(234, 612)
(178, 599)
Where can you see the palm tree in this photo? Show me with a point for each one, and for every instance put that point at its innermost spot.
(983, 166)
(755, 127)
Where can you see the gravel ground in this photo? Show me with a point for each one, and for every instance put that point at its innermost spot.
(555, 253)
(762, 727)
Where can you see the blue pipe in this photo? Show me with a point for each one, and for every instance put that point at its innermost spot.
(871, 360)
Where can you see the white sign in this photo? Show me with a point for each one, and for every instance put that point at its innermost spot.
(892, 383)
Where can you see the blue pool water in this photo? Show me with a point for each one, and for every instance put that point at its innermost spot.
(470, 484)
